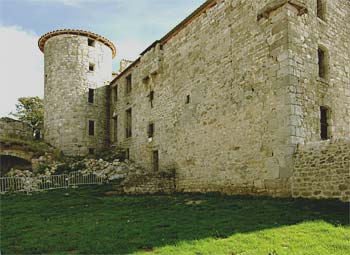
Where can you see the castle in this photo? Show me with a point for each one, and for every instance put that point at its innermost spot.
(242, 97)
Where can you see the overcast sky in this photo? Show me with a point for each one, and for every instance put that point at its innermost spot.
(131, 25)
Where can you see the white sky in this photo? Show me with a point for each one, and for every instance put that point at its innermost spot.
(21, 67)
(132, 25)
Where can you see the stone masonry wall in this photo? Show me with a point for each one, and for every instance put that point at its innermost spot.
(14, 128)
(322, 170)
(149, 183)
(308, 91)
(233, 134)
(67, 81)
(236, 90)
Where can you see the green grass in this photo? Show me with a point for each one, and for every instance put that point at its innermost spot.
(86, 221)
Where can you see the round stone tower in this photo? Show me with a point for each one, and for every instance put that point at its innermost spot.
(78, 68)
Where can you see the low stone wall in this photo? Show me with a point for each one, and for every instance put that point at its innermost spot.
(322, 170)
(14, 128)
(149, 183)
(280, 187)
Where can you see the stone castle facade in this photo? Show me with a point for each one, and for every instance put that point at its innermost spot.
(242, 97)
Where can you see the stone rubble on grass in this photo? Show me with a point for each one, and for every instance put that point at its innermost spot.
(110, 170)
(107, 170)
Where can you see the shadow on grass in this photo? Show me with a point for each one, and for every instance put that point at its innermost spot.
(86, 221)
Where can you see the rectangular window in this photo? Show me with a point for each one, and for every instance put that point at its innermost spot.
(128, 123)
(324, 118)
(150, 130)
(127, 154)
(91, 67)
(91, 42)
(128, 84)
(320, 9)
(151, 96)
(155, 161)
(91, 151)
(91, 127)
(115, 129)
(188, 99)
(91, 96)
(321, 63)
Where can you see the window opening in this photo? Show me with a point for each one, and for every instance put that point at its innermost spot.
(91, 127)
(91, 96)
(128, 123)
(324, 119)
(155, 159)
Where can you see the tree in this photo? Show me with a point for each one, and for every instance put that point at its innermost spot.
(31, 111)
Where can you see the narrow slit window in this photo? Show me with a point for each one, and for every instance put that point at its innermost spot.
(91, 42)
(91, 67)
(324, 118)
(115, 129)
(322, 65)
(320, 9)
(128, 84)
(155, 161)
(91, 127)
(188, 99)
(150, 130)
(91, 96)
(151, 97)
(128, 129)
(127, 154)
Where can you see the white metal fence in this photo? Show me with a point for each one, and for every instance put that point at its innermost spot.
(28, 184)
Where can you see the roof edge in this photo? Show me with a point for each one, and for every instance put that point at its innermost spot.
(200, 10)
(42, 40)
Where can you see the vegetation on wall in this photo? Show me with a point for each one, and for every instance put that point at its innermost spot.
(31, 111)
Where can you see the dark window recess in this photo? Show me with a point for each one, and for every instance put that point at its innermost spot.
(91, 96)
(91, 151)
(324, 112)
(155, 161)
(128, 84)
(115, 129)
(321, 63)
(127, 154)
(151, 97)
(115, 94)
(128, 129)
(91, 127)
(188, 99)
(91, 67)
(320, 9)
(91, 42)
(150, 130)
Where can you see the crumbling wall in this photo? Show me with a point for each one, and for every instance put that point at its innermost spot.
(322, 170)
(15, 129)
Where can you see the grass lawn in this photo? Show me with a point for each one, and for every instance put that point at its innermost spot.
(86, 221)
